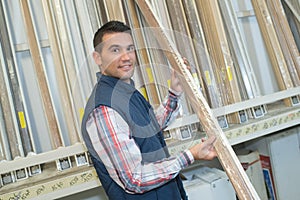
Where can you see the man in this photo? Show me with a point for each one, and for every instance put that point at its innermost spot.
(122, 131)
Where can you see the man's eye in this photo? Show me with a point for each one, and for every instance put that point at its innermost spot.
(131, 48)
(115, 50)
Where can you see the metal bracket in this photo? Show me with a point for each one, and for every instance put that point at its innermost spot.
(184, 132)
(33, 170)
(63, 163)
(258, 111)
(82, 159)
(243, 116)
(222, 120)
(295, 100)
(7, 178)
(21, 174)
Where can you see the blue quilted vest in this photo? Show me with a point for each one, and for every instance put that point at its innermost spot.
(145, 130)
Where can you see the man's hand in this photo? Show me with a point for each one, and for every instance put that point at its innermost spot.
(175, 83)
(204, 150)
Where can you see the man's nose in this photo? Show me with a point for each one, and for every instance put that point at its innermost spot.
(125, 56)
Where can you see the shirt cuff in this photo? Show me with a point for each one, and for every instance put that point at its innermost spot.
(186, 158)
(190, 156)
(175, 93)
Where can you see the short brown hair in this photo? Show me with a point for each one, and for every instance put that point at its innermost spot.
(109, 27)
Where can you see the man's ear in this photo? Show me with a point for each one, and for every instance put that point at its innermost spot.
(97, 58)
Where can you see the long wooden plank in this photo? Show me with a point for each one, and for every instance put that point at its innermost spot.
(247, 71)
(162, 12)
(145, 66)
(226, 155)
(85, 31)
(293, 23)
(72, 73)
(201, 50)
(139, 75)
(286, 39)
(8, 132)
(182, 39)
(102, 11)
(11, 72)
(64, 88)
(115, 10)
(273, 48)
(8, 113)
(295, 7)
(55, 135)
(219, 51)
(4, 147)
(159, 65)
(94, 16)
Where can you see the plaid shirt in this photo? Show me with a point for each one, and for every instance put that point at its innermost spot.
(109, 134)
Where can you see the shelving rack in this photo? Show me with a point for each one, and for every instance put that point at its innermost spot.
(64, 183)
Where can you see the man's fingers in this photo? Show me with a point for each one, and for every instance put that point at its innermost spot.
(209, 140)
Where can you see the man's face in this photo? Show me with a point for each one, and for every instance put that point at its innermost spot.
(117, 57)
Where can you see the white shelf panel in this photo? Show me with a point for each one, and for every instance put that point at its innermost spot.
(264, 126)
(236, 107)
(273, 122)
(36, 159)
(63, 186)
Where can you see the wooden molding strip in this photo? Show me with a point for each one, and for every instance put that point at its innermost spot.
(71, 70)
(37, 57)
(294, 5)
(86, 33)
(286, 39)
(92, 7)
(115, 10)
(10, 96)
(102, 11)
(64, 88)
(293, 24)
(183, 41)
(215, 34)
(226, 155)
(247, 72)
(273, 48)
(213, 95)
(143, 57)
(220, 54)
(8, 129)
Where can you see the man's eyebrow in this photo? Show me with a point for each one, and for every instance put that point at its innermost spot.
(117, 46)
(113, 46)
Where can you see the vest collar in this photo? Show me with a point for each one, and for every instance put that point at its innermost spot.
(116, 83)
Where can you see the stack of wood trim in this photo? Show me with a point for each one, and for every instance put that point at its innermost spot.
(221, 57)
(17, 138)
(35, 50)
(201, 50)
(142, 54)
(272, 43)
(286, 39)
(59, 62)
